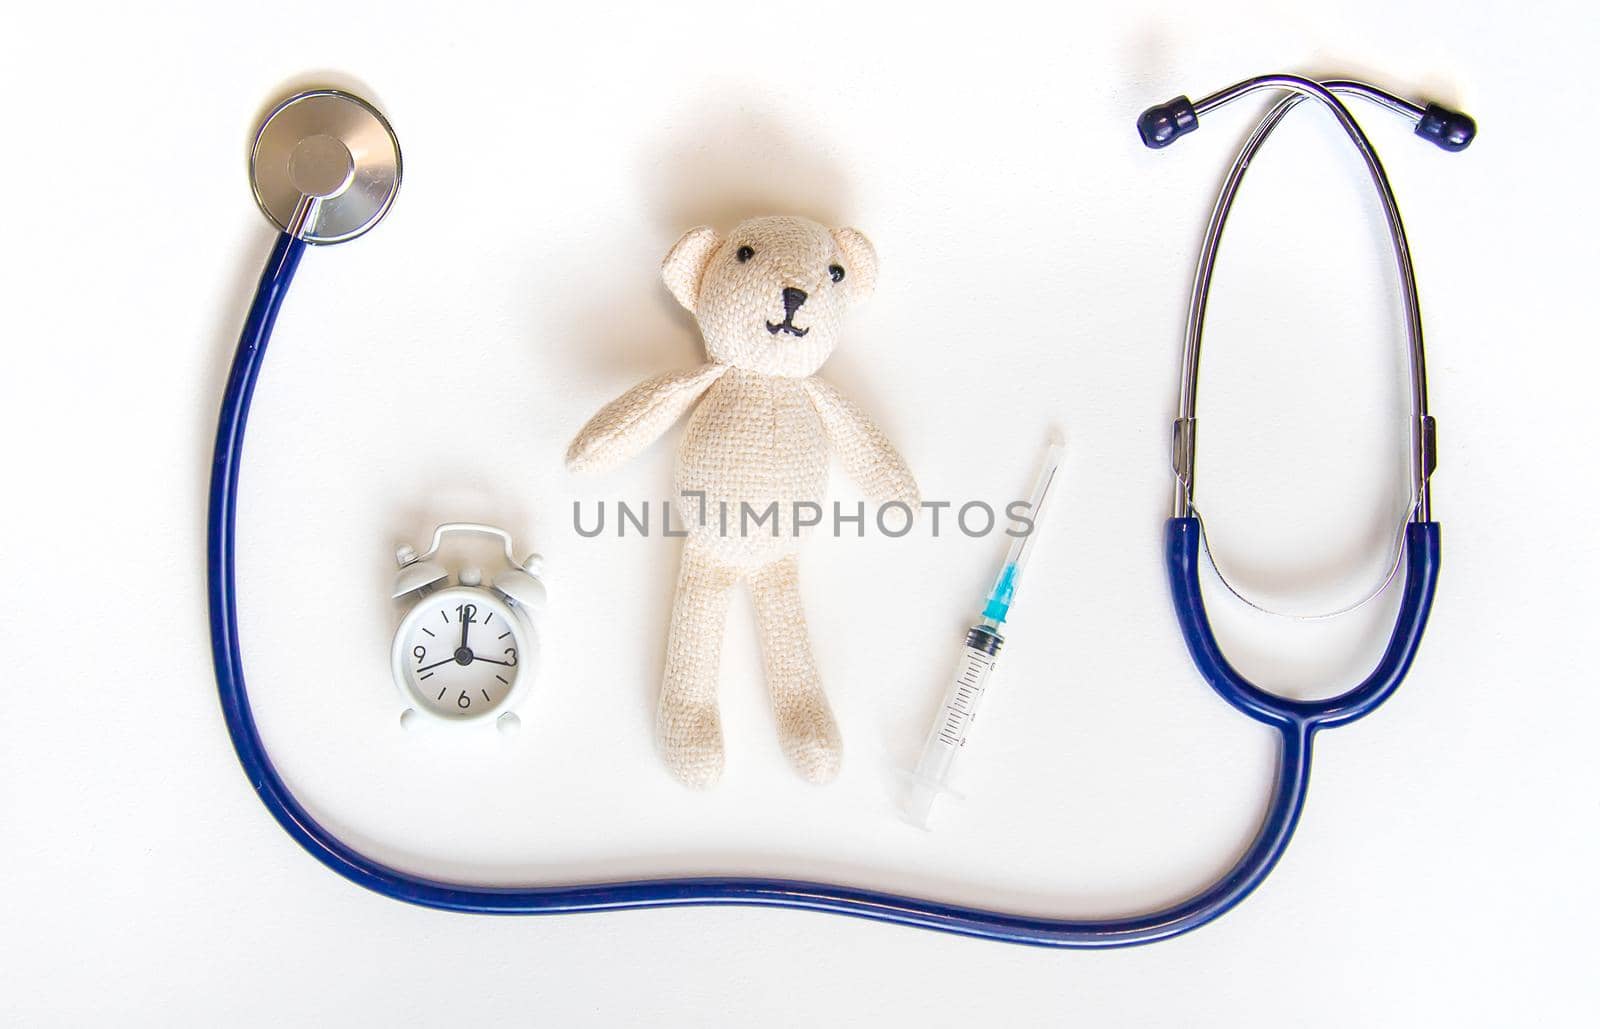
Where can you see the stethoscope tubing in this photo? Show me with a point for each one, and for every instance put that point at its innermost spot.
(1294, 724)
(1422, 555)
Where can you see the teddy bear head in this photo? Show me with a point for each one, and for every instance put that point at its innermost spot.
(771, 294)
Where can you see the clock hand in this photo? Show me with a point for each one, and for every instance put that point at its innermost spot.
(436, 664)
(466, 623)
(492, 661)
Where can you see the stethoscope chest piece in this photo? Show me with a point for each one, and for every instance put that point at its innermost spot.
(325, 166)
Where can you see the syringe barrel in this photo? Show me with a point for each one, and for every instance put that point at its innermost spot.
(960, 706)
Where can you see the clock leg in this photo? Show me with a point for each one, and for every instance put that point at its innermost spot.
(806, 729)
(688, 725)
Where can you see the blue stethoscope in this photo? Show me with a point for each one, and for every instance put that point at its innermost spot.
(326, 168)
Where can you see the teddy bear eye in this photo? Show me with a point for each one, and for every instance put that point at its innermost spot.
(744, 254)
(836, 272)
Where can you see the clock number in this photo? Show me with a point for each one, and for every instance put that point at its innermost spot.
(463, 701)
(511, 655)
(466, 613)
(419, 652)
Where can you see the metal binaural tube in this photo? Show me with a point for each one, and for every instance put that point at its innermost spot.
(1422, 432)
(1367, 91)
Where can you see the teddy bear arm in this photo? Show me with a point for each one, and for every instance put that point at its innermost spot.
(866, 453)
(637, 418)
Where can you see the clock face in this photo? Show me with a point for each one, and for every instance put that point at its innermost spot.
(460, 652)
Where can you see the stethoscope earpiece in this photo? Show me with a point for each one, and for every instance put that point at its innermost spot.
(1446, 129)
(1161, 125)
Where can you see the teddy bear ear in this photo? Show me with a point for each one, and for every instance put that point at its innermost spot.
(685, 264)
(860, 257)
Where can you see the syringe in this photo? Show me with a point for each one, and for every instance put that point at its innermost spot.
(978, 656)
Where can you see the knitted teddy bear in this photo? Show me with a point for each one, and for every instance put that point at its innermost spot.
(769, 298)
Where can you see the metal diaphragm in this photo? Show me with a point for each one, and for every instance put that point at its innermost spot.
(335, 148)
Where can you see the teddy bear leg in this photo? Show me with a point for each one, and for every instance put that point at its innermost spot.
(688, 726)
(806, 728)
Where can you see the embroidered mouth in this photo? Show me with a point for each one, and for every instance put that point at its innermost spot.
(787, 325)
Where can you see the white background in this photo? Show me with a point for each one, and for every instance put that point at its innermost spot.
(1035, 266)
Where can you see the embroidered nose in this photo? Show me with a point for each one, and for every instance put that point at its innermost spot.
(792, 299)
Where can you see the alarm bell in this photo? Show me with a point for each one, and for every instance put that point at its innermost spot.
(415, 575)
(521, 585)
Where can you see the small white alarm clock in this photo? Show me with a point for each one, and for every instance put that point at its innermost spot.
(465, 653)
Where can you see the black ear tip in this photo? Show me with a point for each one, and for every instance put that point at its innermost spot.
(1164, 123)
(1446, 129)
